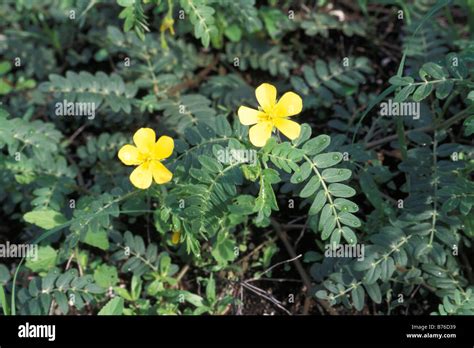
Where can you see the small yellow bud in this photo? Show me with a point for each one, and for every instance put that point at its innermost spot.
(175, 237)
(167, 24)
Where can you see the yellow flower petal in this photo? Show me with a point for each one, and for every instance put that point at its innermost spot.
(141, 176)
(161, 174)
(163, 147)
(130, 155)
(289, 128)
(288, 105)
(266, 96)
(175, 237)
(260, 133)
(249, 116)
(145, 139)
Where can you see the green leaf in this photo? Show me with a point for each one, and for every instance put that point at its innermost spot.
(318, 203)
(233, 32)
(113, 307)
(47, 219)
(316, 145)
(358, 295)
(469, 126)
(305, 134)
(301, 173)
(3, 301)
(224, 250)
(444, 89)
(349, 235)
(106, 276)
(336, 175)
(5, 67)
(136, 287)
(401, 81)
(349, 219)
(97, 239)
(422, 91)
(421, 249)
(194, 299)
(327, 222)
(322, 294)
(311, 186)
(470, 96)
(61, 300)
(370, 189)
(272, 19)
(266, 200)
(327, 159)
(336, 237)
(404, 93)
(94, 289)
(125, 3)
(373, 290)
(343, 204)
(211, 289)
(46, 259)
(456, 66)
(65, 279)
(210, 164)
(4, 274)
(341, 190)
(433, 70)
(5, 88)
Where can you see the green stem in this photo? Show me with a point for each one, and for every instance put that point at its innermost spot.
(403, 145)
(435, 188)
(328, 193)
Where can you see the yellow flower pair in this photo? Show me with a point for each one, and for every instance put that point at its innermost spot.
(148, 153)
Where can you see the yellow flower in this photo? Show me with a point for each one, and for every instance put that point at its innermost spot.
(147, 155)
(175, 237)
(271, 114)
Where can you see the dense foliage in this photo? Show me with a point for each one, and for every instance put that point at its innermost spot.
(240, 227)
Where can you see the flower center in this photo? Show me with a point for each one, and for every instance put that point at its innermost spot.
(267, 116)
(145, 157)
(148, 157)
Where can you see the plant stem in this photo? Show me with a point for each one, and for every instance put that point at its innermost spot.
(326, 190)
(304, 276)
